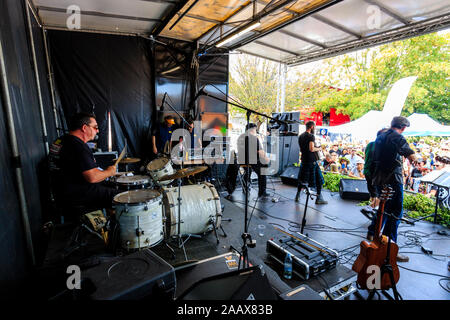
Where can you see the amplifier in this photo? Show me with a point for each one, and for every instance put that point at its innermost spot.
(137, 276)
(353, 189)
(309, 257)
(105, 159)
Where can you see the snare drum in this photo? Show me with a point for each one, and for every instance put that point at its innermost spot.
(132, 182)
(159, 168)
(139, 213)
(200, 204)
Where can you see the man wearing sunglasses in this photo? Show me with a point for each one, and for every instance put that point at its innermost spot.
(80, 175)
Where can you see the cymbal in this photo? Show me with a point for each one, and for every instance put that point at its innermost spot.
(185, 172)
(130, 160)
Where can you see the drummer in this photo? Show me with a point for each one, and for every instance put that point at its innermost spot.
(80, 174)
(162, 134)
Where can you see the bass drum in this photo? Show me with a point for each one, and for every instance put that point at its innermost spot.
(159, 168)
(140, 217)
(200, 204)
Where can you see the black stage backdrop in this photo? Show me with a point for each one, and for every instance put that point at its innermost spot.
(15, 262)
(128, 77)
(106, 73)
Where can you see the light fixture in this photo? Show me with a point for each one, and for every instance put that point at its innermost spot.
(238, 34)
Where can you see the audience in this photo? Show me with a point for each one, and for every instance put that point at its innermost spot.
(348, 159)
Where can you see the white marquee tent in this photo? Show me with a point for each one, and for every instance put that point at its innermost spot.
(366, 127)
(423, 125)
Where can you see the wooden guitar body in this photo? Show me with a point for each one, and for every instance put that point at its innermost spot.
(374, 254)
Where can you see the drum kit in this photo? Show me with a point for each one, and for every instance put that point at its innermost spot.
(150, 210)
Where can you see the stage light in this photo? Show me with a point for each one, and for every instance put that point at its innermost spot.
(238, 34)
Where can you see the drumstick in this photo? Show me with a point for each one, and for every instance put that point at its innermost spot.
(122, 154)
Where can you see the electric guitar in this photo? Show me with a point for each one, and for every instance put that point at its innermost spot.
(378, 252)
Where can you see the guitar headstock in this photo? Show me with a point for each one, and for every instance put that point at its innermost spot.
(387, 193)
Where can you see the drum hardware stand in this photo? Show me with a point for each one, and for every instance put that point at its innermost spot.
(77, 240)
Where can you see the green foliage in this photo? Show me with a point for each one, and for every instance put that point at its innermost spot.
(332, 180)
(428, 140)
(364, 203)
(419, 205)
(367, 76)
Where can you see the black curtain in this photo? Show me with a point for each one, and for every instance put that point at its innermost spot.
(15, 262)
(106, 73)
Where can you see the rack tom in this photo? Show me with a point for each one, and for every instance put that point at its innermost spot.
(159, 168)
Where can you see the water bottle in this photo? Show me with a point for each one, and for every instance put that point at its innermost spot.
(288, 266)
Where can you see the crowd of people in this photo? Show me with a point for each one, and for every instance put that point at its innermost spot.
(350, 159)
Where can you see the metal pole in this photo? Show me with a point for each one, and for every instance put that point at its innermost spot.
(283, 87)
(16, 156)
(51, 81)
(38, 82)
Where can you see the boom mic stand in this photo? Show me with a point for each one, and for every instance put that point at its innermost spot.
(246, 236)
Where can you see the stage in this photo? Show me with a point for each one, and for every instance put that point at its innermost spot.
(338, 225)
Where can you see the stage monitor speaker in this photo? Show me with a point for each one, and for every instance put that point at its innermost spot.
(245, 284)
(141, 275)
(289, 176)
(353, 189)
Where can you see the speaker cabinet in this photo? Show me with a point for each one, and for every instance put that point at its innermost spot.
(352, 189)
(289, 176)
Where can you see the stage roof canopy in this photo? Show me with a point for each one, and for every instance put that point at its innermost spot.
(287, 31)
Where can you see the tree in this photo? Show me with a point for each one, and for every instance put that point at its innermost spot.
(367, 76)
(253, 83)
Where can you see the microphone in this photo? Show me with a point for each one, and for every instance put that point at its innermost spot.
(162, 103)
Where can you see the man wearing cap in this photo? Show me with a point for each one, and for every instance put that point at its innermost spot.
(389, 147)
(309, 173)
(257, 157)
(162, 135)
(357, 170)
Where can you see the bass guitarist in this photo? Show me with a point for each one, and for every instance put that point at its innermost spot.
(389, 147)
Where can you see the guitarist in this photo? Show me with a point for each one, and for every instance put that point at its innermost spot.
(389, 147)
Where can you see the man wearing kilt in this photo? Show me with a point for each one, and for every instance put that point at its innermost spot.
(310, 174)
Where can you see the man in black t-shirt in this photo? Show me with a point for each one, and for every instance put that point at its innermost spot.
(310, 173)
(389, 148)
(257, 157)
(79, 173)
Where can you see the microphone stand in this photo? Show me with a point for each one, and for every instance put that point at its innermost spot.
(179, 236)
(246, 236)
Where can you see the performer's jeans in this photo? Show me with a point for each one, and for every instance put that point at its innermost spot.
(262, 179)
(394, 207)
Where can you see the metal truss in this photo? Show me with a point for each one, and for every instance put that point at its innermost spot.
(411, 30)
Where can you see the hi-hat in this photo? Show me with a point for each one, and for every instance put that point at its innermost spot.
(182, 173)
(130, 160)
